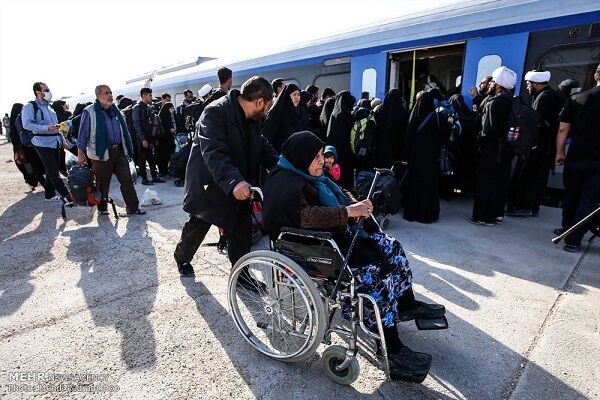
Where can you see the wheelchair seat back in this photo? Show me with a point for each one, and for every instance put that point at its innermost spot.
(317, 256)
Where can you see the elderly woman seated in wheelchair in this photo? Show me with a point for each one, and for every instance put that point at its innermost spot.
(328, 255)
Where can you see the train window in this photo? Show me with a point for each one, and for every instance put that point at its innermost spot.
(575, 62)
(487, 65)
(337, 82)
(369, 81)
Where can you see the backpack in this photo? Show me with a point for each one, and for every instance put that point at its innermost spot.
(82, 186)
(362, 137)
(25, 135)
(157, 127)
(524, 125)
(387, 198)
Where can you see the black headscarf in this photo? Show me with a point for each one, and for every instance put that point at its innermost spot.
(338, 135)
(59, 109)
(466, 116)
(284, 188)
(423, 107)
(391, 120)
(14, 113)
(301, 148)
(78, 109)
(326, 112)
(125, 102)
(283, 119)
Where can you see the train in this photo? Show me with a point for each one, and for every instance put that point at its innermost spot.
(457, 45)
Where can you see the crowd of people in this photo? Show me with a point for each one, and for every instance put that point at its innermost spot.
(306, 150)
(439, 146)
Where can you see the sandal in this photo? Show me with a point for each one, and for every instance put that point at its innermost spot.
(103, 212)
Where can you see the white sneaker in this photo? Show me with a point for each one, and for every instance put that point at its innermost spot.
(55, 198)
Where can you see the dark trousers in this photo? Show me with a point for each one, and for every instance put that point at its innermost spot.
(146, 156)
(164, 151)
(116, 164)
(239, 239)
(529, 181)
(582, 196)
(36, 169)
(50, 158)
(492, 186)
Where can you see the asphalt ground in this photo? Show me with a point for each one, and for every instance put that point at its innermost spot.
(93, 307)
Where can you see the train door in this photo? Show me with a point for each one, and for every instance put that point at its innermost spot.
(420, 69)
(484, 55)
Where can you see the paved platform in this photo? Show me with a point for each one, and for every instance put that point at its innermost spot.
(98, 296)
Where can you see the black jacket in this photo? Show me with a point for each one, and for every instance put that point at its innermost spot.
(141, 122)
(548, 104)
(227, 149)
(495, 124)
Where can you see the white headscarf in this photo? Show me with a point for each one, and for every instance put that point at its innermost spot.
(505, 77)
(538, 76)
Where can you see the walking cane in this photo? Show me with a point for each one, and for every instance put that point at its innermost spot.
(574, 227)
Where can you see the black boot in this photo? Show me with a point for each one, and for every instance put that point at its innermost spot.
(409, 366)
(421, 310)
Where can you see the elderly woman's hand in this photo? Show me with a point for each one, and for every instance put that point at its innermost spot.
(360, 209)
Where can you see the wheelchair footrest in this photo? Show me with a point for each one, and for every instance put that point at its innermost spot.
(431, 324)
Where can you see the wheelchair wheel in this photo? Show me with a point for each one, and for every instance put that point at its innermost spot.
(276, 306)
(334, 356)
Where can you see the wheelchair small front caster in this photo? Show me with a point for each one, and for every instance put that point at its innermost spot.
(334, 356)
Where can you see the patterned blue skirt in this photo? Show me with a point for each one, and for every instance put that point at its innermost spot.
(385, 287)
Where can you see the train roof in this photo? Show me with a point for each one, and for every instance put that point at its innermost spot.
(467, 16)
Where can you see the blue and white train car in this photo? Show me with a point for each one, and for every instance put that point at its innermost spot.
(455, 44)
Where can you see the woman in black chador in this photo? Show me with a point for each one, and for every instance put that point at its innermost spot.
(422, 150)
(391, 120)
(285, 117)
(467, 145)
(338, 135)
(298, 195)
(325, 116)
(166, 142)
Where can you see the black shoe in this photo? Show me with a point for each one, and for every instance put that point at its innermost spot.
(185, 269)
(156, 179)
(572, 248)
(409, 366)
(558, 231)
(147, 182)
(423, 311)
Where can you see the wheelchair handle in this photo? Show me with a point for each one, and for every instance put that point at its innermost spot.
(256, 189)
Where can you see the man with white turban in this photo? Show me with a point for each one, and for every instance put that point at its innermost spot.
(531, 173)
(495, 158)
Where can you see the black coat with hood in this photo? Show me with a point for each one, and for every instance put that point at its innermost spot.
(227, 149)
(284, 119)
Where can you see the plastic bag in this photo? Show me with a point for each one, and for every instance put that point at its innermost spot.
(70, 159)
(150, 198)
(133, 171)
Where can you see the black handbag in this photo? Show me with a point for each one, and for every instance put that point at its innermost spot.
(446, 167)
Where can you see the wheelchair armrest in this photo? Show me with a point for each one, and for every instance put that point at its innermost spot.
(307, 232)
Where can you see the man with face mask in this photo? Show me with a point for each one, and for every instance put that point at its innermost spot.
(47, 140)
(531, 173)
(104, 136)
(224, 163)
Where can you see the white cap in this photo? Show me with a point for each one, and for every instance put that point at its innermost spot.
(204, 90)
(505, 77)
(538, 76)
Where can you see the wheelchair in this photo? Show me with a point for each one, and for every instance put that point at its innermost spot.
(284, 300)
